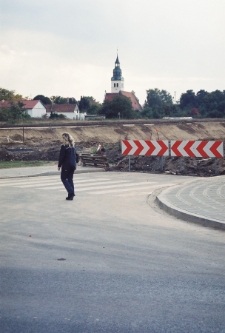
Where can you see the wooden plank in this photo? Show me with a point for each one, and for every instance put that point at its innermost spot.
(94, 160)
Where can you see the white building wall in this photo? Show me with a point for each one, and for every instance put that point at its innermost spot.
(82, 115)
(29, 112)
(69, 115)
(74, 115)
(38, 111)
(116, 86)
(79, 115)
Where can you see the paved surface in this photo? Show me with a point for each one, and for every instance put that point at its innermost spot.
(197, 200)
(107, 261)
(43, 170)
(200, 201)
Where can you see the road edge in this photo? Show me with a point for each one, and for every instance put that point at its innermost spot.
(161, 201)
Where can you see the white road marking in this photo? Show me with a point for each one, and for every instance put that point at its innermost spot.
(30, 183)
(125, 195)
(91, 186)
(76, 185)
(133, 187)
(113, 186)
(16, 183)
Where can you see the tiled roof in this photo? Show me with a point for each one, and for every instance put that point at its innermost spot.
(4, 104)
(27, 103)
(135, 103)
(109, 96)
(60, 108)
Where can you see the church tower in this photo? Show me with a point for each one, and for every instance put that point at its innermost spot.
(117, 81)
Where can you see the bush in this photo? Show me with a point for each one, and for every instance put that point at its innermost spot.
(57, 116)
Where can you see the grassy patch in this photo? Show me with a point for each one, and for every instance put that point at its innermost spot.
(22, 164)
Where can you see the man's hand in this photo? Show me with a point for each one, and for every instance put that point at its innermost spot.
(59, 168)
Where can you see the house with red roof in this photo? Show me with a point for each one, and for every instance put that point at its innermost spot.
(32, 107)
(117, 88)
(70, 111)
(36, 109)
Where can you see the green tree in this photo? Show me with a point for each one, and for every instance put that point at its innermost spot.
(157, 103)
(147, 112)
(120, 106)
(13, 113)
(9, 95)
(201, 97)
(94, 109)
(84, 103)
(72, 100)
(89, 104)
(158, 98)
(58, 100)
(43, 99)
(211, 104)
(188, 100)
(214, 113)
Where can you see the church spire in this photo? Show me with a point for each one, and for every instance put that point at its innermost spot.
(117, 60)
(117, 81)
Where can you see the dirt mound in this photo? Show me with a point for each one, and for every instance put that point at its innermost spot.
(43, 143)
(115, 132)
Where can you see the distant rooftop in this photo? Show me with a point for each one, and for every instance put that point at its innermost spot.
(134, 100)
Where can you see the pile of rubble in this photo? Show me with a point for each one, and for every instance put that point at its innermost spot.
(173, 165)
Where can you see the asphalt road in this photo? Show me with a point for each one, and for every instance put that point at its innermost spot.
(109, 261)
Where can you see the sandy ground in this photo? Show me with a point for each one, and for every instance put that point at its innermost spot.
(114, 132)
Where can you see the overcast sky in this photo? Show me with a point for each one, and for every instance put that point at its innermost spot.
(69, 47)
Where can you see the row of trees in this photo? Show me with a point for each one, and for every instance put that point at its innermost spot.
(206, 104)
(158, 104)
(55, 99)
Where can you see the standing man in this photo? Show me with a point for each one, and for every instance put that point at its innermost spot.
(67, 164)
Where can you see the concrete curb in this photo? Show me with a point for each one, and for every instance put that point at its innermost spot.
(184, 215)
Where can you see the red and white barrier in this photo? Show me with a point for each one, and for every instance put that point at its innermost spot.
(197, 148)
(145, 147)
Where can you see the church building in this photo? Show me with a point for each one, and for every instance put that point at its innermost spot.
(117, 87)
